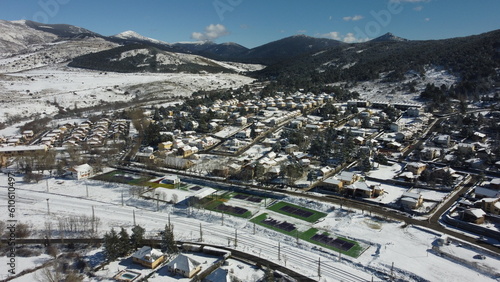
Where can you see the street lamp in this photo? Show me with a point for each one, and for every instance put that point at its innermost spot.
(48, 208)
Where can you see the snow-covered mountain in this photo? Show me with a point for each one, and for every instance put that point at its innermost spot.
(139, 58)
(388, 37)
(130, 35)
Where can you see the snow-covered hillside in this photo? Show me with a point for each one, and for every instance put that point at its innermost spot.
(35, 92)
(53, 53)
(148, 59)
(16, 37)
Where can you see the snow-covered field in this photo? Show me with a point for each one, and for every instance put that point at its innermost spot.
(390, 242)
(36, 91)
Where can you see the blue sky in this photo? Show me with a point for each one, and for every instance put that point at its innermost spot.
(255, 22)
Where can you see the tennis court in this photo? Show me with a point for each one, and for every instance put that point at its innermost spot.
(296, 211)
(283, 225)
(231, 209)
(335, 243)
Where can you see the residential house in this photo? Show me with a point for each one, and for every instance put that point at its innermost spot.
(348, 177)
(473, 215)
(219, 275)
(243, 134)
(333, 183)
(483, 192)
(184, 266)
(359, 189)
(490, 205)
(479, 137)
(290, 148)
(144, 156)
(396, 127)
(429, 153)
(148, 257)
(28, 133)
(403, 136)
(411, 200)
(466, 148)
(495, 183)
(241, 121)
(165, 146)
(12, 151)
(81, 171)
(413, 112)
(416, 168)
(177, 163)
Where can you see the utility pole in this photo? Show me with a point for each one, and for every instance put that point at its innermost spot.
(122, 197)
(254, 228)
(222, 218)
(201, 234)
(235, 238)
(87, 188)
(392, 271)
(319, 267)
(93, 220)
(47, 183)
(48, 208)
(133, 214)
(279, 251)
(169, 220)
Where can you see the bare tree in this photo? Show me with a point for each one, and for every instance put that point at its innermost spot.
(23, 230)
(49, 274)
(175, 198)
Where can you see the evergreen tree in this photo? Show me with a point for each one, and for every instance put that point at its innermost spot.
(124, 243)
(137, 236)
(168, 243)
(365, 164)
(111, 245)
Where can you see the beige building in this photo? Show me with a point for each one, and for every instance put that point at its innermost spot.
(148, 257)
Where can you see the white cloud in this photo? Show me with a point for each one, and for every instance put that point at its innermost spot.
(418, 8)
(348, 38)
(211, 32)
(353, 18)
(332, 35)
(427, 19)
(301, 31)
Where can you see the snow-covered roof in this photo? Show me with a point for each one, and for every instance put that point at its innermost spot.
(332, 180)
(204, 192)
(148, 254)
(183, 263)
(83, 167)
(411, 195)
(219, 275)
(488, 193)
(478, 213)
(22, 148)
